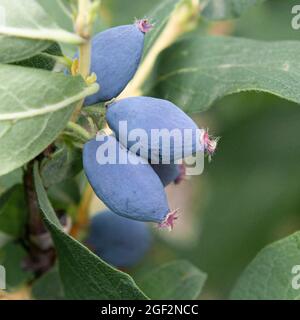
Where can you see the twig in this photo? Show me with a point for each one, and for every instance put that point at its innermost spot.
(83, 29)
(80, 131)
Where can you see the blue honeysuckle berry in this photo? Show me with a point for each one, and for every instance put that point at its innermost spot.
(154, 115)
(127, 184)
(169, 173)
(116, 54)
(119, 241)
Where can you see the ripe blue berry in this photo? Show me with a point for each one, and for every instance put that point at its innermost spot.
(116, 54)
(156, 117)
(129, 187)
(169, 173)
(119, 241)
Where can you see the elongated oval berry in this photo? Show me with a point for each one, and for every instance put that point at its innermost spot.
(125, 182)
(169, 132)
(119, 241)
(169, 173)
(116, 54)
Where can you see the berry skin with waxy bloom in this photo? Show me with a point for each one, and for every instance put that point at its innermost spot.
(157, 117)
(116, 54)
(132, 190)
(119, 241)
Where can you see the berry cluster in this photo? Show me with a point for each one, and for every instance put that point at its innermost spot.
(135, 188)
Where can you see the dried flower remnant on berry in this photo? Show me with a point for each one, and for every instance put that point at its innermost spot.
(209, 143)
(169, 220)
(144, 25)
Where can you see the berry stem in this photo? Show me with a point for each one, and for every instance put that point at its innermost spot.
(80, 131)
(82, 218)
(38, 259)
(83, 28)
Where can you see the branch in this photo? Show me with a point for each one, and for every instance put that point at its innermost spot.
(83, 26)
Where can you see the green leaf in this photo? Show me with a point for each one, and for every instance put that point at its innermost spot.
(54, 50)
(226, 9)
(197, 70)
(83, 274)
(160, 16)
(9, 180)
(269, 276)
(64, 163)
(96, 113)
(44, 60)
(13, 211)
(27, 19)
(178, 280)
(48, 287)
(11, 257)
(35, 107)
(65, 194)
(60, 12)
(16, 49)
